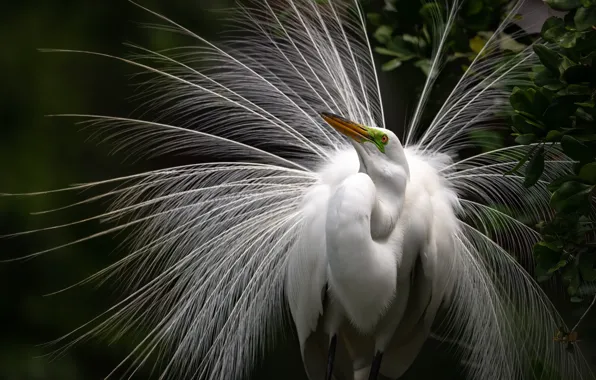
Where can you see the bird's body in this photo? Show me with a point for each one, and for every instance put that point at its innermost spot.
(366, 237)
(369, 281)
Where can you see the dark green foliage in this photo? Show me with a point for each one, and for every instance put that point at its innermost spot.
(40, 153)
(558, 111)
(404, 33)
(535, 168)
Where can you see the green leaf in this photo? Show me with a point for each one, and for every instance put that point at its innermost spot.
(553, 136)
(589, 104)
(568, 39)
(565, 64)
(401, 47)
(522, 161)
(530, 119)
(549, 58)
(392, 53)
(572, 196)
(374, 18)
(391, 65)
(547, 255)
(456, 55)
(383, 34)
(554, 86)
(474, 7)
(477, 44)
(425, 33)
(552, 29)
(541, 102)
(508, 43)
(522, 99)
(582, 114)
(535, 168)
(571, 278)
(576, 89)
(520, 125)
(525, 139)
(585, 18)
(416, 41)
(588, 173)
(385, 51)
(546, 78)
(559, 265)
(424, 65)
(554, 185)
(558, 115)
(544, 250)
(589, 59)
(564, 5)
(576, 149)
(577, 74)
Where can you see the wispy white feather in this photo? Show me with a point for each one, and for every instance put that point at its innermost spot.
(207, 244)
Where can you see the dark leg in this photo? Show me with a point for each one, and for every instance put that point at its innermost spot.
(376, 366)
(331, 357)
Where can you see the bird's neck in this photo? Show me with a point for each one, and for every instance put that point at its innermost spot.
(390, 182)
(362, 272)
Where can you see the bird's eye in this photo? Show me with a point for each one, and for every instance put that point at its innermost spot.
(384, 139)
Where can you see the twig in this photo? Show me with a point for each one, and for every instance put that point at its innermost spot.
(583, 316)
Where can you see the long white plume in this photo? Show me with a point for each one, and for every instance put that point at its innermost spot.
(207, 243)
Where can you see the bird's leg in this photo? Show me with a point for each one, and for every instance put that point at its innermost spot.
(376, 366)
(331, 356)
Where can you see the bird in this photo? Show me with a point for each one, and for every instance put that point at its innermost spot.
(380, 240)
(313, 216)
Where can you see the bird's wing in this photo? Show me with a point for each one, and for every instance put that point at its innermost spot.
(306, 283)
(306, 276)
(411, 331)
(431, 276)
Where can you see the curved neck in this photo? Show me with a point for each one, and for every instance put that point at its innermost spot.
(362, 272)
(390, 182)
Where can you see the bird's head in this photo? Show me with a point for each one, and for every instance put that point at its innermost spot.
(373, 145)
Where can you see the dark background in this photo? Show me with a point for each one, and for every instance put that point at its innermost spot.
(40, 153)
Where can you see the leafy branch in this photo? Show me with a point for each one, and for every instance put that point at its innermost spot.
(404, 33)
(558, 112)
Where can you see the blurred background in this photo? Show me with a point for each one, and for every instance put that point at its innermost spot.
(40, 153)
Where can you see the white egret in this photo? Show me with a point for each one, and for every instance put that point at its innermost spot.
(372, 245)
(366, 231)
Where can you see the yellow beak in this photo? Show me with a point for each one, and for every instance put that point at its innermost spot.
(353, 130)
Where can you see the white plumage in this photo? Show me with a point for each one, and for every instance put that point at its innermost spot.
(365, 228)
(370, 246)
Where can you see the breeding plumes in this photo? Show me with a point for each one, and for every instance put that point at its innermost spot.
(312, 208)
